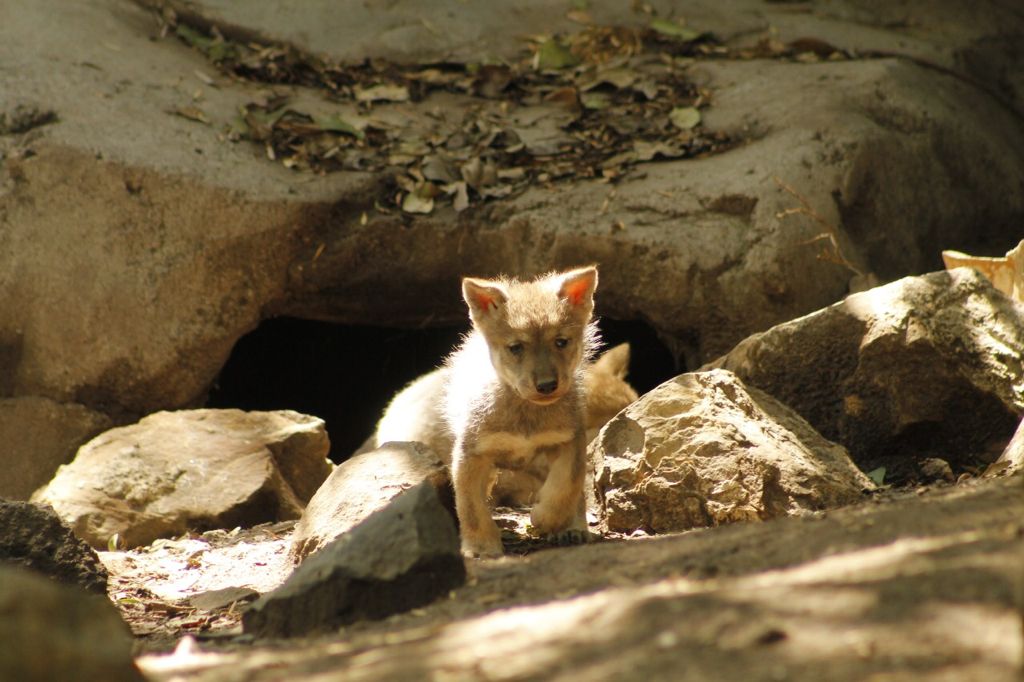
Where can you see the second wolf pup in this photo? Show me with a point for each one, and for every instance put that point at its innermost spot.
(514, 392)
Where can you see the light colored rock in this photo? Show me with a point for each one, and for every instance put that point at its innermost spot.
(925, 365)
(403, 555)
(194, 469)
(363, 485)
(37, 435)
(56, 632)
(703, 450)
(1012, 459)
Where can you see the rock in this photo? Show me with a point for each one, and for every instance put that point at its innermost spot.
(925, 365)
(34, 537)
(123, 197)
(921, 586)
(1012, 459)
(724, 254)
(211, 600)
(704, 450)
(56, 632)
(43, 435)
(192, 282)
(195, 469)
(982, 49)
(935, 469)
(403, 556)
(362, 486)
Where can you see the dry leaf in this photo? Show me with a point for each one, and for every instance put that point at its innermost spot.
(415, 202)
(382, 93)
(192, 114)
(553, 55)
(685, 118)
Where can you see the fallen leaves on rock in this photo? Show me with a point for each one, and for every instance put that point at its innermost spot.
(592, 104)
(458, 134)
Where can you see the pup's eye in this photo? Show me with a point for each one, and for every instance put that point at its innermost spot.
(515, 348)
(561, 342)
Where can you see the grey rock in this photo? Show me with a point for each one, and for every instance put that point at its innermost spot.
(194, 469)
(33, 537)
(930, 364)
(401, 557)
(56, 632)
(705, 450)
(212, 600)
(363, 485)
(935, 469)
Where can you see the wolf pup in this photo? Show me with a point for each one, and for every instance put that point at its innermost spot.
(416, 413)
(515, 392)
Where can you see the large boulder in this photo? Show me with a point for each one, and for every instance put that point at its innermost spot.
(56, 632)
(195, 469)
(402, 556)
(925, 366)
(138, 244)
(705, 450)
(33, 537)
(363, 485)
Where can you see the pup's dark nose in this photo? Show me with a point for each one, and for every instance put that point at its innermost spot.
(547, 387)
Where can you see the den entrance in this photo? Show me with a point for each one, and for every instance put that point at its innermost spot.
(347, 374)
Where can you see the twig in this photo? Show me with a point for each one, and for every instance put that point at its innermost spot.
(835, 255)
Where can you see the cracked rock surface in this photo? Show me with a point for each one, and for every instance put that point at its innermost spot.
(139, 243)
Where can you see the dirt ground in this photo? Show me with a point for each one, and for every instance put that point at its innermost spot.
(915, 584)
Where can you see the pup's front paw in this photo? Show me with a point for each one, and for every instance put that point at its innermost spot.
(482, 546)
(572, 536)
(548, 520)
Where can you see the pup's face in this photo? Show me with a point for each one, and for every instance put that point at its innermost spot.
(536, 331)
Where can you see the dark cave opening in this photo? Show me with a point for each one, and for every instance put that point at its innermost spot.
(347, 374)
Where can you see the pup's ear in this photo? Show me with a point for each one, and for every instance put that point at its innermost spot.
(577, 286)
(614, 361)
(484, 297)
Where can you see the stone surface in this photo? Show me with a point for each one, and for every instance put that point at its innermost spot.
(55, 632)
(37, 435)
(194, 469)
(362, 486)
(403, 556)
(704, 450)
(976, 43)
(32, 536)
(201, 238)
(709, 251)
(925, 366)
(922, 586)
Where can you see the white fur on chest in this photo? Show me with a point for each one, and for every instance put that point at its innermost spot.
(520, 446)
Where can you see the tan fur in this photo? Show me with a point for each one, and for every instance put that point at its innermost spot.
(514, 390)
(416, 414)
